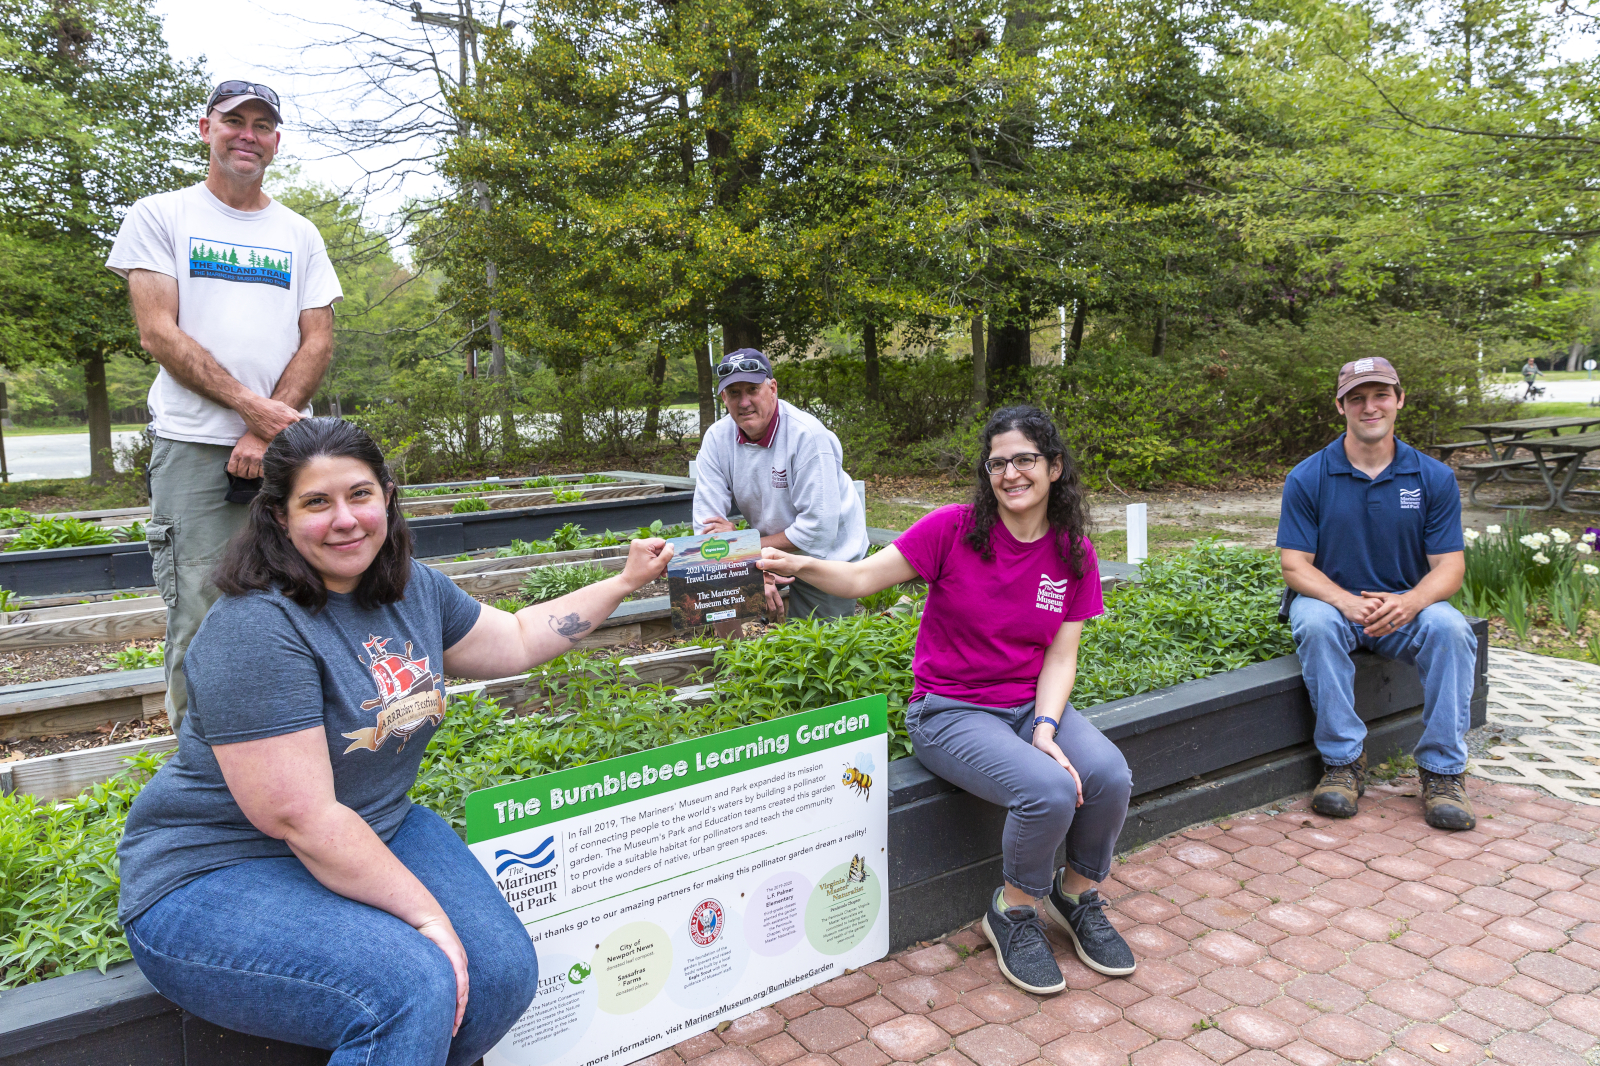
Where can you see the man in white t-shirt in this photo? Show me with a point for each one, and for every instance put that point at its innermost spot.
(233, 294)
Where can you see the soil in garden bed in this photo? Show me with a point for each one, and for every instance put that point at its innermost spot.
(117, 733)
(68, 660)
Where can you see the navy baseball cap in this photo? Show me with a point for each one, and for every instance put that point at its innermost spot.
(745, 364)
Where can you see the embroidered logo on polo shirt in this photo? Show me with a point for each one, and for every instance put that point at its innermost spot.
(1410, 499)
(1051, 593)
(780, 478)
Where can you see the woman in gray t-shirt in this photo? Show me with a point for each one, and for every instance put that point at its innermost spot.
(275, 878)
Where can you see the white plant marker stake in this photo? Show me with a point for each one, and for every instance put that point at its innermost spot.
(861, 493)
(1138, 533)
(694, 470)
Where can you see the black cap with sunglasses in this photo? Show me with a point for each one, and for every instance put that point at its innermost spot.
(230, 94)
(745, 364)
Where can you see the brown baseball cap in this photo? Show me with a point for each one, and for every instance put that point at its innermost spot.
(1361, 371)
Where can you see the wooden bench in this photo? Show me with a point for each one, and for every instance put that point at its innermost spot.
(1483, 473)
(1444, 450)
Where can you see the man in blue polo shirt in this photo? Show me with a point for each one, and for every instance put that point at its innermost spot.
(1370, 538)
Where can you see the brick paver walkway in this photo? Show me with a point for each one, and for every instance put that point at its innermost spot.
(1263, 940)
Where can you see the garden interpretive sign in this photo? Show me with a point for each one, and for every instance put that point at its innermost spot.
(670, 889)
(714, 578)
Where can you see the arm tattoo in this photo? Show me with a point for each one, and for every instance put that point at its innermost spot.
(570, 626)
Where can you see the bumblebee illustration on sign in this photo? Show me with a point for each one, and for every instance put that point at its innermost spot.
(858, 775)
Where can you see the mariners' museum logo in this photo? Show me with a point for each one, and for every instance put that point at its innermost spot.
(1051, 593)
(240, 262)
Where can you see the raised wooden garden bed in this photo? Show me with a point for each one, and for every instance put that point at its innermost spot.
(1198, 751)
(105, 567)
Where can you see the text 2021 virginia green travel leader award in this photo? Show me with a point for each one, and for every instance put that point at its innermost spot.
(670, 890)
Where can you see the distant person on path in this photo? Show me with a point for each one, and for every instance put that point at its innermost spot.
(1371, 544)
(276, 879)
(784, 471)
(1530, 370)
(1011, 579)
(233, 294)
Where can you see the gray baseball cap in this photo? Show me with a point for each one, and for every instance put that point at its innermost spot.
(745, 364)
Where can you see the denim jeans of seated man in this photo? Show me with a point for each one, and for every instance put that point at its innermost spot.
(1438, 641)
(262, 948)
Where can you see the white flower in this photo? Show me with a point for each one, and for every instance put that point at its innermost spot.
(1470, 534)
(1491, 530)
(1591, 569)
(1560, 536)
(1581, 548)
(1587, 538)
(1541, 558)
(1529, 540)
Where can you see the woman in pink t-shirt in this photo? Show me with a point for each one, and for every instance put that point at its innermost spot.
(1011, 579)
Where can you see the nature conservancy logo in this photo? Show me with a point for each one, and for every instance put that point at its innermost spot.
(1052, 594)
(240, 262)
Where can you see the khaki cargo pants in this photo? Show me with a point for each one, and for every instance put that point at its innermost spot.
(191, 523)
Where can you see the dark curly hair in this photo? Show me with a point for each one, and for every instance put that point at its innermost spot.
(261, 557)
(1068, 516)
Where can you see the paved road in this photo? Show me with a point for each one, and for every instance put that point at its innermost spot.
(57, 455)
(1554, 391)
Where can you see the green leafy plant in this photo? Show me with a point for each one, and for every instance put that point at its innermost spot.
(550, 582)
(136, 658)
(469, 505)
(59, 533)
(14, 517)
(129, 596)
(133, 531)
(1192, 614)
(596, 479)
(7, 601)
(567, 495)
(544, 481)
(510, 604)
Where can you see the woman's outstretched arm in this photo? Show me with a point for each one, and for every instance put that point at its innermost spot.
(502, 643)
(1056, 679)
(849, 580)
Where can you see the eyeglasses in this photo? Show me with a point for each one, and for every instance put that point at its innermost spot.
(742, 365)
(1023, 461)
(241, 88)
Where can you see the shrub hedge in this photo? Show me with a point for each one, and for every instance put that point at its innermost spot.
(1193, 614)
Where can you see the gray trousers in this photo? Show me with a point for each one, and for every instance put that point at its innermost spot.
(989, 752)
(190, 525)
(808, 601)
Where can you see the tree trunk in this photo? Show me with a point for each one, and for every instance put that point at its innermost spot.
(1010, 345)
(980, 366)
(869, 344)
(99, 406)
(658, 376)
(705, 380)
(1080, 313)
(1158, 346)
(740, 330)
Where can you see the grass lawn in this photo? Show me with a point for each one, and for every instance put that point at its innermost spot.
(1544, 375)
(52, 431)
(73, 494)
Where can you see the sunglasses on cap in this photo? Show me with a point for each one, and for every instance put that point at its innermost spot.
(740, 366)
(242, 88)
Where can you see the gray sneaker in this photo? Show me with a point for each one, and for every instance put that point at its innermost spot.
(1097, 941)
(1022, 950)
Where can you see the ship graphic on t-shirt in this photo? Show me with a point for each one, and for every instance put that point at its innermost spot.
(225, 261)
(408, 696)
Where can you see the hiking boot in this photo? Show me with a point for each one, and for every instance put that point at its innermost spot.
(1444, 801)
(1021, 948)
(1097, 941)
(1339, 789)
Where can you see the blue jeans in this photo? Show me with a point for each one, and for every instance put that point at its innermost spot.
(1437, 641)
(989, 752)
(262, 948)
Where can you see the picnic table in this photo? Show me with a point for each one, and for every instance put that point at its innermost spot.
(1559, 462)
(1504, 438)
